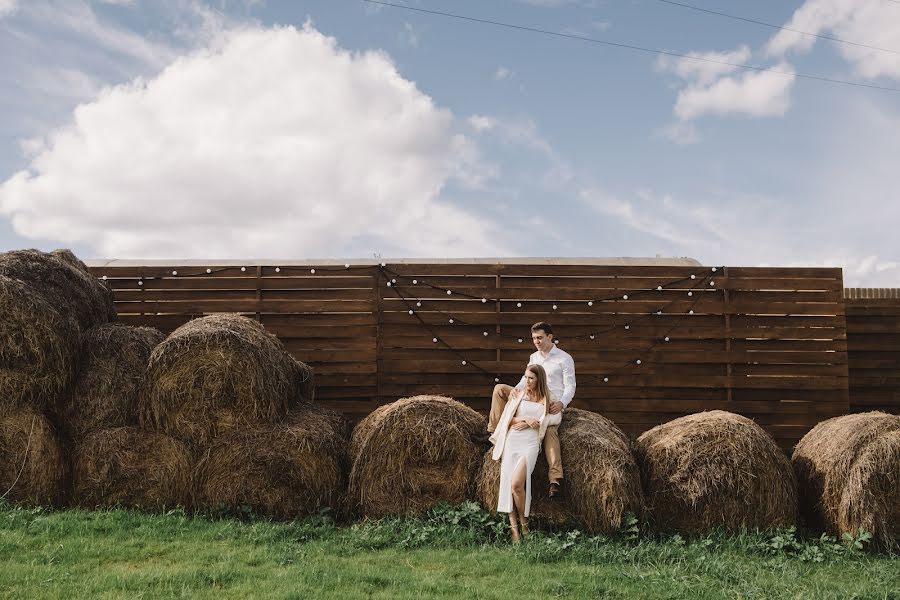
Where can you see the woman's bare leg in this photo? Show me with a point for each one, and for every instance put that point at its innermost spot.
(518, 491)
(513, 526)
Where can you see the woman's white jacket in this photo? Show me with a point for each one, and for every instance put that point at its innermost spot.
(498, 438)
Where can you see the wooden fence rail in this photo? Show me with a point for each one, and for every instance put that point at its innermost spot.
(651, 343)
(873, 337)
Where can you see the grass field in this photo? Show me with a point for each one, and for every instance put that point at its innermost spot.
(456, 552)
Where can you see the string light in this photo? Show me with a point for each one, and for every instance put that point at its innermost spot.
(346, 265)
(104, 278)
(278, 269)
(174, 272)
(243, 269)
(208, 271)
(415, 281)
(313, 271)
(519, 304)
(140, 283)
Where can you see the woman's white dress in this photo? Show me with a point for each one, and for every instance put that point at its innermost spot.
(519, 446)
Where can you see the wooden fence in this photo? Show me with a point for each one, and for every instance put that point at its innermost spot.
(873, 337)
(651, 343)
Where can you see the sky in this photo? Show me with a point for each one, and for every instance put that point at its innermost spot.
(167, 129)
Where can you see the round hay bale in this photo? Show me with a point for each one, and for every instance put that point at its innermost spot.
(127, 466)
(282, 470)
(217, 373)
(716, 469)
(32, 469)
(412, 454)
(64, 282)
(848, 469)
(110, 377)
(602, 482)
(37, 349)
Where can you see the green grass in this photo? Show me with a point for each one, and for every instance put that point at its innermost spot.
(457, 552)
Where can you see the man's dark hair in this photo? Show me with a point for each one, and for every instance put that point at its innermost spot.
(542, 326)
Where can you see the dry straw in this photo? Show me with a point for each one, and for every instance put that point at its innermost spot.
(219, 373)
(32, 470)
(716, 470)
(64, 282)
(37, 349)
(282, 470)
(112, 364)
(126, 466)
(601, 478)
(849, 473)
(412, 454)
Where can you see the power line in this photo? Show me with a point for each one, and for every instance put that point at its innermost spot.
(754, 21)
(633, 47)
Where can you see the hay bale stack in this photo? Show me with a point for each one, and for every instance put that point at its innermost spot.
(112, 364)
(848, 469)
(64, 282)
(32, 470)
(126, 466)
(283, 470)
(716, 469)
(37, 349)
(412, 454)
(601, 478)
(219, 373)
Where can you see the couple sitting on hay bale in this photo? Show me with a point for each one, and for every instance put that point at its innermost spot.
(523, 416)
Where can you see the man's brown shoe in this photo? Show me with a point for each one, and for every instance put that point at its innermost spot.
(555, 491)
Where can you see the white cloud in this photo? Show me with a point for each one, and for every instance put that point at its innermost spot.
(680, 132)
(409, 35)
(872, 23)
(482, 123)
(503, 73)
(713, 85)
(705, 67)
(7, 7)
(753, 93)
(277, 142)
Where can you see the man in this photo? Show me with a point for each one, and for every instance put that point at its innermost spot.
(560, 370)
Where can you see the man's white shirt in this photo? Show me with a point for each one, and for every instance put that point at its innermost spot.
(560, 368)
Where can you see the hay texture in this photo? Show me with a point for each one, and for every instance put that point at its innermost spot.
(412, 454)
(126, 466)
(601, 477)
(37, 349)
(716, 469)
(32, 469)
(284, 470)
(110, 377)
(848, 469)
(219, 373)
(64, 282)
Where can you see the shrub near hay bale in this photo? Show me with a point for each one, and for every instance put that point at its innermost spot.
(282, 470)
(716, 469)
(64, 282)
(412, 454)
(37, 349)
(848, 469)
(127, 466)
(217, 373)
(32, 470)
(601, 478)
(112, 364)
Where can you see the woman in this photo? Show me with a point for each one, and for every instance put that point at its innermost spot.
(517, 442)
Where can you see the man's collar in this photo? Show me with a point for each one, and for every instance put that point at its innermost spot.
(553, 349)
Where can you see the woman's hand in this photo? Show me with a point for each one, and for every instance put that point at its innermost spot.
(519, 425)
(531, 422)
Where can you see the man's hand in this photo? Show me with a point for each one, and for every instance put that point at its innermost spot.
(555, 407)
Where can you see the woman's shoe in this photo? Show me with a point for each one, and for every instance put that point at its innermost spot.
(524, 527)
(514, 531)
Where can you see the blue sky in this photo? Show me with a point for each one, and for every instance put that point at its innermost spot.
(339, 128)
